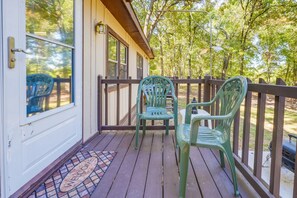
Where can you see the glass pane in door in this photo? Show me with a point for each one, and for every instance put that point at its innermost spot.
(49, 66)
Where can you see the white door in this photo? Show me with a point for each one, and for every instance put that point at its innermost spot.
(42, 90)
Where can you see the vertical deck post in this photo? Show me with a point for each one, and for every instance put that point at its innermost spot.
(99, 103)
(259, 139)
(246, 127)
(295, 177)
(106, 103)
(118, 102)
(277, 140)
(206, 95)
(199, 91)
(58, 91)
(188, 89)
(129, 101)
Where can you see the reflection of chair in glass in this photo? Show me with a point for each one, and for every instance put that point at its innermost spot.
(39, 86)
(156, 89)
(230, 96)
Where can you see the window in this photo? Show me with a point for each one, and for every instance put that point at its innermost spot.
(139, 64)
(117, 53)
(49, 66)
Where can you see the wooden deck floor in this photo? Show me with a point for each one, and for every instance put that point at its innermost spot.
(152, 170)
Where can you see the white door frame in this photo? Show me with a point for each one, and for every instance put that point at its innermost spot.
(5, 179)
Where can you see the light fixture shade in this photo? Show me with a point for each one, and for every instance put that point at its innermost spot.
(100, 28)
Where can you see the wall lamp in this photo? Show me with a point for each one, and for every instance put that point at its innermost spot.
(100, 28)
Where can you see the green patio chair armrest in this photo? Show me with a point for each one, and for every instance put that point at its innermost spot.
(196, 122)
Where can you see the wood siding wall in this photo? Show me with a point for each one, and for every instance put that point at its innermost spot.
(94, 62)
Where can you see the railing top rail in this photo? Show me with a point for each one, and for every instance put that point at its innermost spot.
(277, 90)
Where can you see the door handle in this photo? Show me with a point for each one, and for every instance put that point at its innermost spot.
(14, 50)
(11, 52)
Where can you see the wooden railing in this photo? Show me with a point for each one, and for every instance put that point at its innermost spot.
(206, 89)
(57, 88)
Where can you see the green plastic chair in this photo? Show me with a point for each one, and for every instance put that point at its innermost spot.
(230, 96)
(156, 90)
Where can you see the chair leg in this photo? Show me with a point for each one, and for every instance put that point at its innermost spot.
(175, 131)
(222, 159)
(183, 165)
(143, 126)
(137, 132)
(167, 126)
(232, 167)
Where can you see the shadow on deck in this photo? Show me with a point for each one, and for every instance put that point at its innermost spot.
(152, 170)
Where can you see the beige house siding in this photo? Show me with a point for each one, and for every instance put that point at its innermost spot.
(94, 64)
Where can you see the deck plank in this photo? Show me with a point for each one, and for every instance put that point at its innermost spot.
(120, 185)
(222, 181)
(171, 177)
(138, 180)
(108, 178)
(153, 188)
(94, 142)
(152, 170)
(206, 183)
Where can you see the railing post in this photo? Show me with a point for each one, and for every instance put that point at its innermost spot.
(106, 103)
(47, 101)
(188, 90)
(199, 91)
(70, 90)
(295, 177)
(99, 103)
(246, 126)
(259, 139)
(277, 140)
(206, 95)
(129, 101)
(118, 102)
(58, 91)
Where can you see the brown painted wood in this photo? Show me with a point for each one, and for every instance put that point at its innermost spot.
(99, 103)
(212, 111)
(133, 127)
(58, 91)
(188, 91)
(106, 102)
(118, 103)
(253, 180)
(171, 177)
(259, 139)
(176, 87)
(206, 95)
(199, 91)
(138, 180)
(277, 140)
(93, 141)
(109, 177)
(206, 183)
(277, 90)
(154, 181)
(236, 132)
(295, 177)
(223, 183)
(129, 102)
(246, 127)
(119, 188)
(192, 183)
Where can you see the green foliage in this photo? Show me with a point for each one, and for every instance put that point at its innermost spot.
(255, 38)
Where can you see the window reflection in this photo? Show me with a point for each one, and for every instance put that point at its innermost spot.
(49, 66)
(51, 19)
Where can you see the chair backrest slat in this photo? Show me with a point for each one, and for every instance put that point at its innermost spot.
(156, 89)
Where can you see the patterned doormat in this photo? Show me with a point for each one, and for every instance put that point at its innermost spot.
(78, 177)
